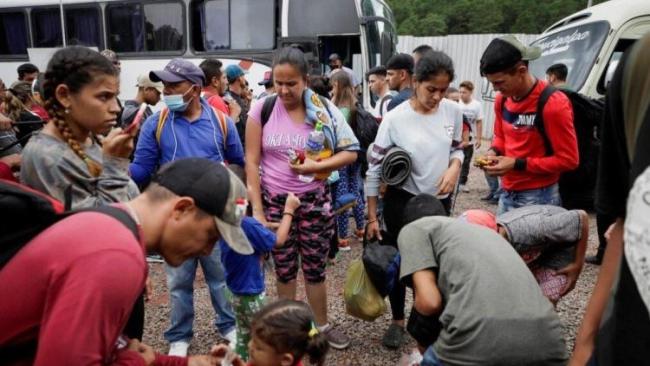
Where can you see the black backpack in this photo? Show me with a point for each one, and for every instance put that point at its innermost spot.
(24, 213)
(577, 187)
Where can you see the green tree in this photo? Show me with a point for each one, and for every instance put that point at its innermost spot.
(437, 17)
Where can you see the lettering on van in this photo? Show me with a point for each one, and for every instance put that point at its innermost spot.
(561, 44)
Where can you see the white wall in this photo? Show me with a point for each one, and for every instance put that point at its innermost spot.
(466, 51)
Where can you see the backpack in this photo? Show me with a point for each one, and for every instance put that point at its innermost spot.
(221, 118)
(365, 127)
(577, 187)
(27, 212)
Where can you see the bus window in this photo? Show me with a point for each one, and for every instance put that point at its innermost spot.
(245, 12)
(124, 22)
(221, 25)
(14, 39)
(82, 27)
(46, 25)
(149, 27)
(164, 26)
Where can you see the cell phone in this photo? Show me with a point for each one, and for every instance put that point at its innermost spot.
(137, 120)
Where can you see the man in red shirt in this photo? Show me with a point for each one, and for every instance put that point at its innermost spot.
(67, 294)
(530, 172)
(216, 85)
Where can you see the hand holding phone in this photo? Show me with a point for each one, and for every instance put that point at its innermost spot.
(135, 125)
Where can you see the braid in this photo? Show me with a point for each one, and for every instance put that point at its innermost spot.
(94, 167)
(75, 67)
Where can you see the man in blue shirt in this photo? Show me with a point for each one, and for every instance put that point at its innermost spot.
(189, 128)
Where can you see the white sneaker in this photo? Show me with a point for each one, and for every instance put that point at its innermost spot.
(463, 188)
(178, 348)
(232, 338)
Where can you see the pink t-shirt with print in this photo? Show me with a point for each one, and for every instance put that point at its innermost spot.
(281, 133)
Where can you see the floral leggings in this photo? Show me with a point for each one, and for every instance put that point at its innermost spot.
(350, 182)
(309, 238)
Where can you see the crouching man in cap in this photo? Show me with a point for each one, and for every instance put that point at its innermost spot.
(91, 268)
(476, 302)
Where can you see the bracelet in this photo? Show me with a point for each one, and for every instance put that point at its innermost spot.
(287, 213)
(371, 222)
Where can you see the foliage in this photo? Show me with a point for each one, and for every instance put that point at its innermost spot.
(439, 17)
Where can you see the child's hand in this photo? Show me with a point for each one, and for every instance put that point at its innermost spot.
(292, 203)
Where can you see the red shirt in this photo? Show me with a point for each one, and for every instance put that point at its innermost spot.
(216, 101)
(516, 136)
(72, 289)
(40, 112)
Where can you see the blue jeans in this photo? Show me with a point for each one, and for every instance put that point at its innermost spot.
(493, 185)
(180, 281)
(429, 358)
(509, 200)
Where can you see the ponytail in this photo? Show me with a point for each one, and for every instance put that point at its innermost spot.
(317, 347)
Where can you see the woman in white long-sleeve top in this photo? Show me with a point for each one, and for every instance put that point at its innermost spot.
(429, 128)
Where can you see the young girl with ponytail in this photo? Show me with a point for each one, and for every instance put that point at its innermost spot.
(283, 333)
(66, 160)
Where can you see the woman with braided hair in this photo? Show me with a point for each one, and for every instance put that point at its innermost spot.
(65, 160)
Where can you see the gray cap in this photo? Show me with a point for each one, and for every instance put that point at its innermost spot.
(178, 70)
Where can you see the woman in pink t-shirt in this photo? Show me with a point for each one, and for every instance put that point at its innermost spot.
(267, 144)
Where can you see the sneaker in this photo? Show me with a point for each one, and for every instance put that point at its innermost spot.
(344, 245)
(155, 258)
(463, 188)
(394, 336)
(336, 338)
(487, 198)
(231, 337)
(178, 348)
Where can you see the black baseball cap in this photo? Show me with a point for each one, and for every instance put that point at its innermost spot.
(401, 61)
(504, 52)
(215, 190)
(422, 205)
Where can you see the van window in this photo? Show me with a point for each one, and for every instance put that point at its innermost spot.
(149, 27)
(14, 39)
(576, 47)
(46, 25)
(82, 27)
(223, 24)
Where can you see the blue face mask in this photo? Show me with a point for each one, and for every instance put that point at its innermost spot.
(176, 103)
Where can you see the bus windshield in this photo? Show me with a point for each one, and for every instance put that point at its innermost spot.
(380, 32)
(576, 47)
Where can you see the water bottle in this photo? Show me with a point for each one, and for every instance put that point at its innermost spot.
(313, 148)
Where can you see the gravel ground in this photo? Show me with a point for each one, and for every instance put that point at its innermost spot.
(366, 348)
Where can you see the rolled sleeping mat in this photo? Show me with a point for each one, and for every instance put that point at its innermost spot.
(396, 167)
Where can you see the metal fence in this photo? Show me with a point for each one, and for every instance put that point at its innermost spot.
(466, 51)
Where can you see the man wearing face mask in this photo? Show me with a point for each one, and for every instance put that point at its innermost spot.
(189, 127)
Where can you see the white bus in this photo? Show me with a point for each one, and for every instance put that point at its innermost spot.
(146, 34)
(590, 43)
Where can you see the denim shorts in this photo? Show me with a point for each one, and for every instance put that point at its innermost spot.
(541, 196)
